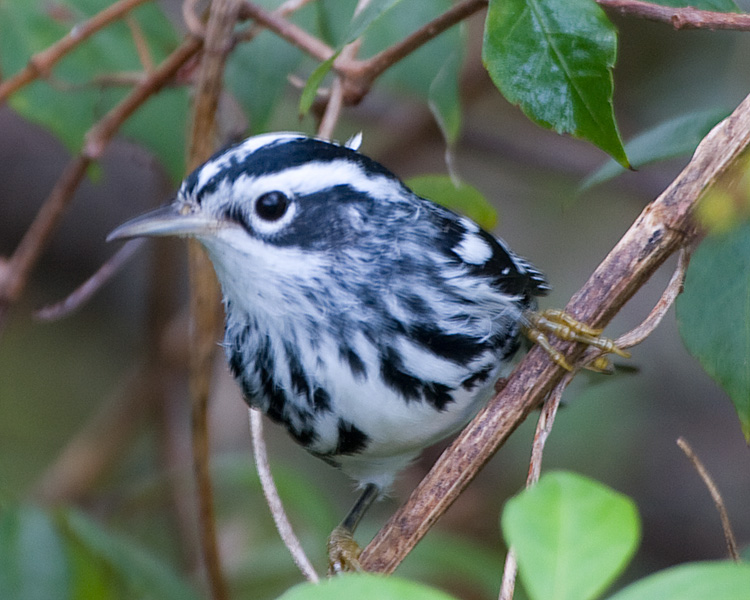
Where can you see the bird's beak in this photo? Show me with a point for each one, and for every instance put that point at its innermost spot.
(166, 221)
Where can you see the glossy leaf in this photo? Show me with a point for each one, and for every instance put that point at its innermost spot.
(713, 313)
(464, 198)
(675, 137)
(572, 536)
(694, 581)
(554, 59)
(364, 587)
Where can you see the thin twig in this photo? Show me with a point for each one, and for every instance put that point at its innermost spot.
(543, 429)
(37, 236)
(678, 17)
(141, 45)
(662, 228)
(336, 98)
(510, 571)
(93, 284)
(41, 63)
(715, 495)
(651, 322)
(205, 304)
(289, 31)
(192, 21)
(273, 500)
(360, 75)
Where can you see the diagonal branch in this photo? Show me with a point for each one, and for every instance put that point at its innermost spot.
(16, 271)
(41, 63)
(663, 227)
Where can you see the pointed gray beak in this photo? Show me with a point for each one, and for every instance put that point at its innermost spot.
(165, 221)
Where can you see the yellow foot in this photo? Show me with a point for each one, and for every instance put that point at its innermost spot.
(563, 326)
(343, 552)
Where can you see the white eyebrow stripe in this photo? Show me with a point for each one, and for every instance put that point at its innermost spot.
(314, 176)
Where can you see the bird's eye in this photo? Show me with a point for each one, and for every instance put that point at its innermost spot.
(271, 206)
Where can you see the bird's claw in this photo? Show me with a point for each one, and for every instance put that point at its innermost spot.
(565, 327)
(343, 552)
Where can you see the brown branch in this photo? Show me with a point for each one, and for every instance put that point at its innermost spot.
(26, 255)
(84, 292)
(361, 74)
(543, 429)
(204, 291)
(357, 76)
(289, 31)
(41, 63)
(715, 496)
(679, 18)
(664, 226)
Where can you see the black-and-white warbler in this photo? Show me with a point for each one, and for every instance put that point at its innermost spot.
(368, 321)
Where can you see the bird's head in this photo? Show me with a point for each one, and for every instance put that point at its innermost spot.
(279, 208)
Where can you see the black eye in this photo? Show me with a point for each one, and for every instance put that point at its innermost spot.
(271, 206)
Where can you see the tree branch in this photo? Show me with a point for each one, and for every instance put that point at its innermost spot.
(664, 226)
(361, 74)
(289, 31)
(205, 305)
(19, 265)
(41, 63)
(679, 18)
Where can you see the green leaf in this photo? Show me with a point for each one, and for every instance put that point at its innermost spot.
(257, 72)
(416, 73)
(572, 536)
(313, 83)
(33, 560)
(430, 74)
(141, 574)
(464, 198)
(160, 126)
(554, 59)
(91, 578)
(694, 581)
(362, 21)
(444, 100)
(364, 587)
(676, 137)
(333, 20)
(74, 97)
(713, 313)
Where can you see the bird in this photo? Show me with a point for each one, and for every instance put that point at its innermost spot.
(366, 320)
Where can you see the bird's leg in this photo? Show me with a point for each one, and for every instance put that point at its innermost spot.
(565, 327)
(343, 551)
